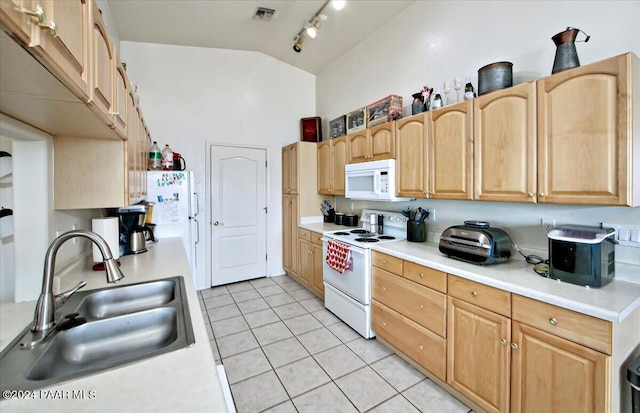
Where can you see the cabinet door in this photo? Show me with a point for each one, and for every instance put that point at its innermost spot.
(478, 354)
(358, 147)
(325, 167)
(67, 53)
(290, 169)
(505, 145)
(305, 261)
(382, 140)
(102, 60)
(287, 222)
(411, 165)
(318, 259)
(121, 93)
(450, 152)
(132, 149)
(14, 17)
(551, 374)
(339, 161)
(584, 132)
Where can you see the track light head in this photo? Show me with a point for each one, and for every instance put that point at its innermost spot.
(297, 46)
(338, 4)
(312, 30)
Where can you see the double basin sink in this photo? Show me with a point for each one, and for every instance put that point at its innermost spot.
(124, 324)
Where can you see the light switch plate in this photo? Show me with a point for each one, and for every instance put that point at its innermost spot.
(627, 235)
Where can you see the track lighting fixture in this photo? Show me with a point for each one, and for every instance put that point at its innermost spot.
(312, 25)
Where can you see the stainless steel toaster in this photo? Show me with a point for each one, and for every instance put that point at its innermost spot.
(476, 242)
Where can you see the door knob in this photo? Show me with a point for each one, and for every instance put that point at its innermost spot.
(217, 223)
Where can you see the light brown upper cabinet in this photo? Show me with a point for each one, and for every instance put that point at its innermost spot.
(450, 151)
(62, 43)
(332, 157)
(435, 152)
(505, 145)
(411, 155)
(120, 92)
(290, 169)
(103, 67)
(372, 144)
(19, 18)
(586, 139)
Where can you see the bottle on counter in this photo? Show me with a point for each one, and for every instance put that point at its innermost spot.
(437, 101)
(468, 89)
(155, 157)
(167, 158)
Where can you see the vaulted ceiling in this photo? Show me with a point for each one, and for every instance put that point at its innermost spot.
(229, 24)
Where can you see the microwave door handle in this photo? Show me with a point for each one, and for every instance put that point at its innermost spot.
(376, 182)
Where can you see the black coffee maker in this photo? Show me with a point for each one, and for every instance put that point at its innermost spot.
(133, 229)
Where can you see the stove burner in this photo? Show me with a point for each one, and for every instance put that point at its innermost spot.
(359, 231)
(386, 237)
(367, 239)
(340, 233)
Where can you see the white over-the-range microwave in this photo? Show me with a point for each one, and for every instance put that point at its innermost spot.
(372, 181)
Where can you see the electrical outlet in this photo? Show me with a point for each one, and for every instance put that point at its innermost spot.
(548, 224)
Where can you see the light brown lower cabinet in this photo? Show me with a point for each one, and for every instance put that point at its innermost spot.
(478, 354)
(419, 344)
(310, 261)
(502, 352)
(551, 374)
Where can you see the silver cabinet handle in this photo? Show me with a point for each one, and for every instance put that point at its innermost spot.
(503, 341)
(553, 321)
(38, 13)
(421, 275)
(421, 306)
(215, 224)
(514, 346)
(474, 294)
(541, 194)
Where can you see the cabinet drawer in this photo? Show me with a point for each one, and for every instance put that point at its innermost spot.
(304, 234)
(426, 276)
(316, 238)
(490, 298)
(421, 345)
(387, 262)
(421, 304)
(579, 328)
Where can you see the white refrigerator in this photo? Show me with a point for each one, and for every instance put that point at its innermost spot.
(175, 207)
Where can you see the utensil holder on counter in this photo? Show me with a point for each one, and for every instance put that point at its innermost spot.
(416, 231)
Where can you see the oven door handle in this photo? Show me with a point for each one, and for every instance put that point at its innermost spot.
(351, 247)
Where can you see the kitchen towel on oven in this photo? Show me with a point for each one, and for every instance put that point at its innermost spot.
(338, 256)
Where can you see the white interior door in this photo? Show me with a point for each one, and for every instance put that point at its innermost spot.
(238, 214)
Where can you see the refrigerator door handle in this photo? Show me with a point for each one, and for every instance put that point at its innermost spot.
(197, 231)
(197, 205)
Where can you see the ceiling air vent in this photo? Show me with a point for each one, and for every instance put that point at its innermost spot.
(264, 13)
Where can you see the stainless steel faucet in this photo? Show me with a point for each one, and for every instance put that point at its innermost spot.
(44, 318)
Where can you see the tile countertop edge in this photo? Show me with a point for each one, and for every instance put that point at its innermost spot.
(614, 302)
(182, 380)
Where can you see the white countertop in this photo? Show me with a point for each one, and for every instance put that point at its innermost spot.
(183, 380)
(613, 302)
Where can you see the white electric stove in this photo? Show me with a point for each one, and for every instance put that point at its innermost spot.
(348, 295)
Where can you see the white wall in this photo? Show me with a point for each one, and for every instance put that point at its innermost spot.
(30, 194)
(433, 41)
(192, 96)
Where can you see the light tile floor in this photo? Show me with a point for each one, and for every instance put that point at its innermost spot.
(284, 352)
